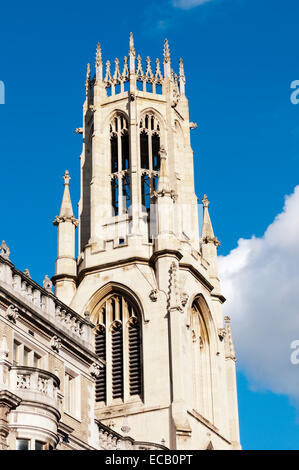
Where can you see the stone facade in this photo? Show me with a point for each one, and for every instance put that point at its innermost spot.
(132, 351)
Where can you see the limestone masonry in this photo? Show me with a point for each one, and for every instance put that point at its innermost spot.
(131, 351)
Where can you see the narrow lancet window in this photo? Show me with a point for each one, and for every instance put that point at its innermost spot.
(144, 150)
(100, 349)
(114, 189)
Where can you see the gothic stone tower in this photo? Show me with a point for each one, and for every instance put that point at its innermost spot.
(144, 274)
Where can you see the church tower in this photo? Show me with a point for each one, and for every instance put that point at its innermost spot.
(146, 273)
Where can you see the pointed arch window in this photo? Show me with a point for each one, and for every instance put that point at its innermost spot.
(149, 128)
(120, 165)
(201, 362)
(118, 343)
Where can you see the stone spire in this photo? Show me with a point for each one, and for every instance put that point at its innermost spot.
(87, 80)
(228, 341)
(166, 61)
(209, 244)
(132, 54)
(66, 209)
(99, 63)
(207, 233)
(131, 45)
(65, 268)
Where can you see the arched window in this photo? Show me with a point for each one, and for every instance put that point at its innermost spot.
(120, 165)
(149, 128)
(118, 343)
(201, 362)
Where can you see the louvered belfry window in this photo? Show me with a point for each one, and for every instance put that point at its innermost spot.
(118, 343)
(100, 346)
(134, 358)
(117, 361)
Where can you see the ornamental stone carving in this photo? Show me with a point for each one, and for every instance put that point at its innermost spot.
(154, 295)
(184, 298)
(55, 343)
(12, 313)
(221, 333)
(27, 272)
(5, 251)
(47, 283)
(95, 370)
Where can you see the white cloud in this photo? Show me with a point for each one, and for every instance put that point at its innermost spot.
(260, 279)
(187, 4)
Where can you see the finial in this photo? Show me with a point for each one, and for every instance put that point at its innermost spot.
(47, 283)
(131, 45)
(66, 209)
(87, 77)
(66, 178)
(205, 201)
(158, 74)
(182, 79)
(148, 72)
(117, 75)
(125, 73)
(99, 64)
(166, 51)
(229, 345)
(27, 272)
(207, 233)
(108, 77)
(99, 55)
(5, 251)
(166, 61)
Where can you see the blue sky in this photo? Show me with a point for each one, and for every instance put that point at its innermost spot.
(240, 57)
